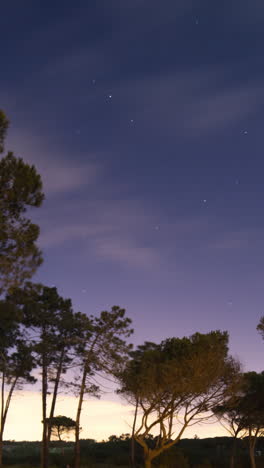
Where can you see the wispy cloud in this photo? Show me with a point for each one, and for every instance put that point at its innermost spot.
(191, 103)
(127, 251)
(59, 173)
(241, 239)
(60, 235)
(61, 177)
(114, 230)
(224, 107)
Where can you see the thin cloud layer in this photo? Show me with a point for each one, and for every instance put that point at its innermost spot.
(127, 251)
(59, 173)
(116, 231)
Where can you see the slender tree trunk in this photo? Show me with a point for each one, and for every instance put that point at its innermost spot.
(1, 448)
(2, 417)
(132, 453)
(4, 410)
(44, 448)
(77, 451)
(252, 457)
(55, 392)
(252, 444)
(2, 399)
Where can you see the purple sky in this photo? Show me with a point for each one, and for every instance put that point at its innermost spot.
(145, 119)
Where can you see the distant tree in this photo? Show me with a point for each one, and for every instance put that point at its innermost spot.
(61, 425)
(16, 361)
(113, 438)
(3, 129)
(125, 436)
(102, 349)
(260, 327)
(20, 188)
(178, 381)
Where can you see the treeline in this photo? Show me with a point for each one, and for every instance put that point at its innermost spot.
(188, 453)
(172, 385)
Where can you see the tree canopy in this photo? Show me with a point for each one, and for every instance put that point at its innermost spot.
(20, 188)
(175, 384)
(61, 425)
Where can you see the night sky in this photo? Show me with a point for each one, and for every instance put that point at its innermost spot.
(145, 120)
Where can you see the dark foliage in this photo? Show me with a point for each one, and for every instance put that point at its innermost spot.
(189, 453)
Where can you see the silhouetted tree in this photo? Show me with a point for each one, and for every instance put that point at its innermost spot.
(43, 312)
(102, 349)
(69, 327)
(260, 327)
(3, 129)
(61, 425)
(16, 361)
(20, 188)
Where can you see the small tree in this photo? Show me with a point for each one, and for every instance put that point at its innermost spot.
(176, 383)
(61, 425)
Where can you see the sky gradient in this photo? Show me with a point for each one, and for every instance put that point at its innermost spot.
(145, 120)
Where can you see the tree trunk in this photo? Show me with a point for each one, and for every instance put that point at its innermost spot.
(2, 400)
(233, 454)
(252, 444)
(77, 451)
(147, 462)
(1, 448)
(132, 454)
(2, 417)
(252, 456)
(55, 392)
(4, 410)
(44, 448)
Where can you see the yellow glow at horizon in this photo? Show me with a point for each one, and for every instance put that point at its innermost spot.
(100, 418)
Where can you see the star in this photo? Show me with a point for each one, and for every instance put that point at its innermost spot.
(245, 132)
(204, 201)
(109, 96)
(93, 82)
